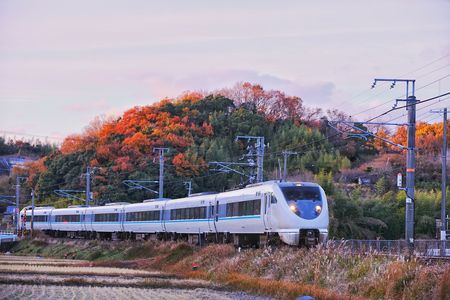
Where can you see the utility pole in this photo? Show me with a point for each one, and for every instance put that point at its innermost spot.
(259, 145)
(286, 154)
(260, 159)
(32, 212)
(410, 171)
(161, 152)
(444, 178)
(17, 203)
(18, 178)
(188, 185)
(88, 186)
(410, 157)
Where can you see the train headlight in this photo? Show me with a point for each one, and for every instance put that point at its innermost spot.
(318, 209)
(293, 207)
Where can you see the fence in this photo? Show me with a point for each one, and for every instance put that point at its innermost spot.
(422, 248)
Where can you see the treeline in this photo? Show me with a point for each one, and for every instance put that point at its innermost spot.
(24, 148)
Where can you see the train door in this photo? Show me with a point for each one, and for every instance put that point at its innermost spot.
(163, 219)
(213, 215)
(122, 219)
(265, 208)
(91, 215)
(49, 219)
(83, 220)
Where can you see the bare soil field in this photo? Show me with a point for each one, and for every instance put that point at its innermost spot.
(38, 278)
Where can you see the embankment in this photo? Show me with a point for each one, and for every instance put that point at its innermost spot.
(283, 272)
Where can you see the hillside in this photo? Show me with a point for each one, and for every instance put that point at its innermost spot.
(202, 128)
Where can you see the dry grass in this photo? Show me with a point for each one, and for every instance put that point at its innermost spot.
(284, 273)
(44, 292)
(70, 270)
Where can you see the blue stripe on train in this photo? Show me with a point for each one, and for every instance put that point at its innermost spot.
(168, 221)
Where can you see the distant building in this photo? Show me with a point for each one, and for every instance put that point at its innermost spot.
(364, 180)
(7, 219)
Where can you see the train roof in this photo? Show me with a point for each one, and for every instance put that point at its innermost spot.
(206, 196)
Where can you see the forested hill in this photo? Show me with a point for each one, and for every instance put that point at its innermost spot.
(198, 129)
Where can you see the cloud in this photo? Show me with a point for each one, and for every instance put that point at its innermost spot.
(315, 94)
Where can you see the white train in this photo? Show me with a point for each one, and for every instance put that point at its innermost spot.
(295, 213)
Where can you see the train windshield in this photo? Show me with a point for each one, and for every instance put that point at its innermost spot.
(304, 201)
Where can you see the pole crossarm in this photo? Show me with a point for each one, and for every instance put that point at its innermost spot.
(363, 133)
(224, 167)
(140, 185)
(393, 80)
(69, 194)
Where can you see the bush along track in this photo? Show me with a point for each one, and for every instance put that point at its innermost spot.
(283, 272)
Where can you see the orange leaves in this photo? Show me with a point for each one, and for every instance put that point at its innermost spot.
(188, 164)
(35, 168)
(123, 164)
(207, 129)
(138, 141)
(428, 137)
(379, 144)
(126, 142)
(73, 143)
(179, 141)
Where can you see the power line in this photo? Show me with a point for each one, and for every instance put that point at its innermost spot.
(407, 105)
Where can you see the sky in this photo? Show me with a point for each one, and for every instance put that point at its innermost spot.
(62, 63)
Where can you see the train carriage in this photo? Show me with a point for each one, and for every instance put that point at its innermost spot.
(41, 217)
(67, 219)
(295, 212)
(143, 217)
(106, 218)
(190, 215)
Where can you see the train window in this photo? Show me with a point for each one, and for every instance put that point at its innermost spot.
(114, 217)
(39, 218)
(244, 208)
(295, 193)
(152, 215)
(273, 199)
(67, 218)
(188, 213)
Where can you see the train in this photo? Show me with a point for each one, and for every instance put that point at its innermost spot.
(293, 213)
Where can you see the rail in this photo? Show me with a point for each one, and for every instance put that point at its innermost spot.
(422, 248)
